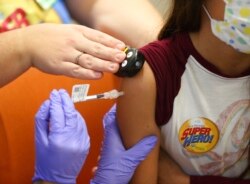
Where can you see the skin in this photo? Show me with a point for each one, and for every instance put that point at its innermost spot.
(135, 112)
(20, 51)
(169, 172)
(136, 108)
(103, 16)
(229, 61)
(123, 19)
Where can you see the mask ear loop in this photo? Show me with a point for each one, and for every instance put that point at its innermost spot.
(208, 14)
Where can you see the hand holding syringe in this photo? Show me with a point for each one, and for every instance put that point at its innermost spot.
(80, 92)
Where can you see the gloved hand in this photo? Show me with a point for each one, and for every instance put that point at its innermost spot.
(117, 165)
(62, 140)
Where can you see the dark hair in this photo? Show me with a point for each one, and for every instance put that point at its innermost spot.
(185, 16)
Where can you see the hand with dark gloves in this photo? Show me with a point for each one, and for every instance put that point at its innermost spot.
(117, 165)
(62, 140)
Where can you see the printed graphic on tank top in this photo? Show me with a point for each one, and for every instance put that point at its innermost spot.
(209, 131)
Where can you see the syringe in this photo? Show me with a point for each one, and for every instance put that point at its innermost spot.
(106, 95)
(80, 94)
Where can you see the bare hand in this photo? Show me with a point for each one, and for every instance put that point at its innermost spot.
(72, 50)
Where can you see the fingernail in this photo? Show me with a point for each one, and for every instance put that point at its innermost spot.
(120, 57)
(113, 67)
(98, 74)
(120, 46)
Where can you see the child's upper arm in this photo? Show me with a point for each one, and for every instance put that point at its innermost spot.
(136, 118)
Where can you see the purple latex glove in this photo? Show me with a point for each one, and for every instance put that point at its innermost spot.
(117, 165)
(62, 140)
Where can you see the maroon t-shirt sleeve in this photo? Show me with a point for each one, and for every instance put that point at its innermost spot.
(217, 180)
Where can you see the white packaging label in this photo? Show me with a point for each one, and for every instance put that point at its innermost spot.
(79, 92)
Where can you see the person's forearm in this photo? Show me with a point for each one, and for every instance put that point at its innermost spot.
(13, 61)
(134, 22)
